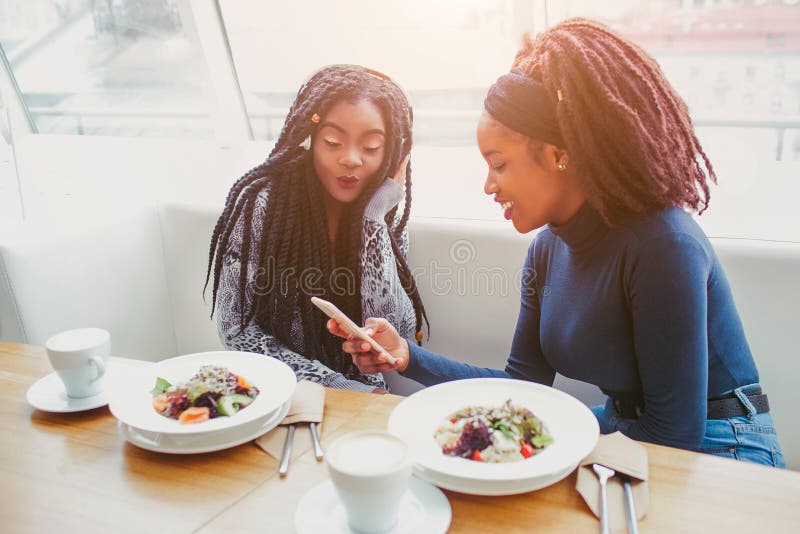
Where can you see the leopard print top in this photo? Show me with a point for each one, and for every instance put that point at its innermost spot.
(381, 290)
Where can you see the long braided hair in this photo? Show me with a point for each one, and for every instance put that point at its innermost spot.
(627, 132)
(294, 241)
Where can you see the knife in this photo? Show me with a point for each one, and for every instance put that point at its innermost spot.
(287, 453)
(633, 526)
(318, 454)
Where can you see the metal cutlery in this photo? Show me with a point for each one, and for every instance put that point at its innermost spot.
(633, 524)
(603, 473)
(318, 454)
(287, 452)
(283, 469)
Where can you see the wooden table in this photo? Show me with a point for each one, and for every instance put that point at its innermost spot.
(72, 472)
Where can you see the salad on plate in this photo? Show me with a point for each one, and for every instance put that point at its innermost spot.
(507, 433)
(213, 391)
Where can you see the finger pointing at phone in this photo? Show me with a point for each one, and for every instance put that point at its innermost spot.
(367, 360)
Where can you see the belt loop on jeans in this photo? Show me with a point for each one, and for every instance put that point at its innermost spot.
(745, 400)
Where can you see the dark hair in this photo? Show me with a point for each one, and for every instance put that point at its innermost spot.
(294, 235)
(626, 130)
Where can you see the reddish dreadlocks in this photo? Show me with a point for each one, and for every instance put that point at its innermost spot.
(627, 132)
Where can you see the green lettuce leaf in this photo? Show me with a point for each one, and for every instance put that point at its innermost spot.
(160, 387)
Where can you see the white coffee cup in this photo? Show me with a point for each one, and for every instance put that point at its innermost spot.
(370, 470)
(79, 358)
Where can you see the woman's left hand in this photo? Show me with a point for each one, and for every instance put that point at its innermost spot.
(400, 175)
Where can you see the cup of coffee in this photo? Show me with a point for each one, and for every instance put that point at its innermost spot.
(79, 358)
(370, 470)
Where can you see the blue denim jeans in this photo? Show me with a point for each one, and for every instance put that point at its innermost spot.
(750, 438)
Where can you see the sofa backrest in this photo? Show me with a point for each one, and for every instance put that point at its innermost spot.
(469, 275)
(109, 274)
(186, 231)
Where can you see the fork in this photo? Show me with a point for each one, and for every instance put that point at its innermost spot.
(603, 473)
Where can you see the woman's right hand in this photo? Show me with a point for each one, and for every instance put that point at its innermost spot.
(400, 173)
(368, 361)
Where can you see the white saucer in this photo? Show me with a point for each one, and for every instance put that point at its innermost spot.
(48, 394)
(425, 510)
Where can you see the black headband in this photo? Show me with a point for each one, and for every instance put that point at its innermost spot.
(524, 105)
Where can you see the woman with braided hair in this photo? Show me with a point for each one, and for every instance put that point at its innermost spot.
(586, 138)
(320, 218)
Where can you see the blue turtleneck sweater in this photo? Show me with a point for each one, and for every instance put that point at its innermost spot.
(643, 310)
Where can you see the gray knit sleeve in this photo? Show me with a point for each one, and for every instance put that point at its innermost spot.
(387, 196)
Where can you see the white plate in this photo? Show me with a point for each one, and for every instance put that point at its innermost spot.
(573, 426)
(184, 438)
(207, 442)
(491, 488)
(48, 393)
(424, 510)
(132, 403)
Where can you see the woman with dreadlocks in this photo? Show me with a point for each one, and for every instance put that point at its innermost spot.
(320, 218)
(622, 288)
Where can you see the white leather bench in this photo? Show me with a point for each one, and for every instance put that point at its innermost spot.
(141, 278)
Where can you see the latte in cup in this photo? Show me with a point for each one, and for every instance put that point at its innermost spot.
(370, 470)
(367, 454)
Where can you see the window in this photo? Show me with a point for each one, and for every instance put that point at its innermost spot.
(445, 54)
(163, 68)
(10, 200)
(735, 63)
(111, 67)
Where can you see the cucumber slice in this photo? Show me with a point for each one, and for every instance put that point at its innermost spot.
(241, 399)
(230, 404)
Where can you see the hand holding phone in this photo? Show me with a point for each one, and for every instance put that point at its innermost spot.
(350, 327)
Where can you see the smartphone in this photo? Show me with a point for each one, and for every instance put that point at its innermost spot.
(350, 327)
